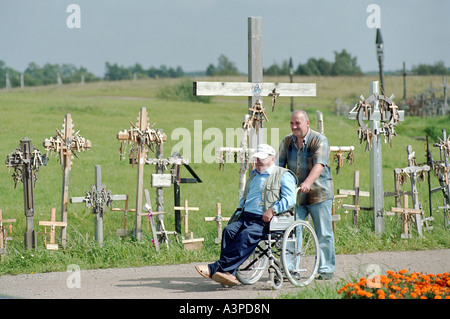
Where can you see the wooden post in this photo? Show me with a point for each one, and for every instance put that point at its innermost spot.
(52, 223)
(4, 234)
(66, 143)
(255, 71)
(218, 219)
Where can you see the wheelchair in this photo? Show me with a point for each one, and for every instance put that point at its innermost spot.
(291, 250)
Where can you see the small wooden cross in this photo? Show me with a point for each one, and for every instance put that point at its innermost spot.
(4, 232)
(189, 241)
(219, 220)
(356, 193)
(124, 232)
(407, 218)
(52, 223)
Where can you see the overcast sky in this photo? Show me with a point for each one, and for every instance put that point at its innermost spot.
(194, 33)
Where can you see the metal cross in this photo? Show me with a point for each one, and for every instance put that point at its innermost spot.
(97, 199)
(26, 161)
(383, 118)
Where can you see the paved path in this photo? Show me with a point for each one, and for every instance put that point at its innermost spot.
(183, 282)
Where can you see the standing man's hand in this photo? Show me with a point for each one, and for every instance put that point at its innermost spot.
(267, 216)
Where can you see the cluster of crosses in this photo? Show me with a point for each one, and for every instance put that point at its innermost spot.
(379, 111)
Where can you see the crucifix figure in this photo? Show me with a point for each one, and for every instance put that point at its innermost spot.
(98, 198)
(26, 161)
(383, 115)
(66, 144)
(255, 89)
(142, 137)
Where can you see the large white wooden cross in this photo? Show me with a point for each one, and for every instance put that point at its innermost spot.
(255, 89)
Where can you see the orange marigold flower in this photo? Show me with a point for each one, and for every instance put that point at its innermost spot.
(403, 271)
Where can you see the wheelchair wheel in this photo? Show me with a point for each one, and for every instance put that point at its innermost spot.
(300, 253)
(253, 268)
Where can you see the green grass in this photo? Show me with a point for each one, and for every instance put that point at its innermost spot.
(100, 110)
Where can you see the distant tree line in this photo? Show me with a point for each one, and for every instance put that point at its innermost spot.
(35, 75)
(436, 69)
(115, 73)
(344, 64)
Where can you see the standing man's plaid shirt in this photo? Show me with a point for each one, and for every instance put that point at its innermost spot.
(316, 149)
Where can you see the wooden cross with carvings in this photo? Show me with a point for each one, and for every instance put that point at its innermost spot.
(66, 144)
(255, 89)
(4, 233)
(142, 137)
(414, 172)
(52, 223)
(218, 219)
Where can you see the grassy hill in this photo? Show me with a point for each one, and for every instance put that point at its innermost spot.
(100, 110)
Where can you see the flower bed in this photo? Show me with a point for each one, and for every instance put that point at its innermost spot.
(400, 285)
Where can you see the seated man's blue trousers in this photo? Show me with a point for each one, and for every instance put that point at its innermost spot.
(239, 240)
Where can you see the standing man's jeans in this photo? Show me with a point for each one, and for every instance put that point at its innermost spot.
(321, 216)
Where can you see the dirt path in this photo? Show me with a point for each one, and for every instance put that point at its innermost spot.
(183, 282)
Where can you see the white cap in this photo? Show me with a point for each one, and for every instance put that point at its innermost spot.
(263, 150)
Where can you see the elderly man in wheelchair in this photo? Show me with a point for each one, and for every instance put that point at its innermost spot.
(256, 237)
